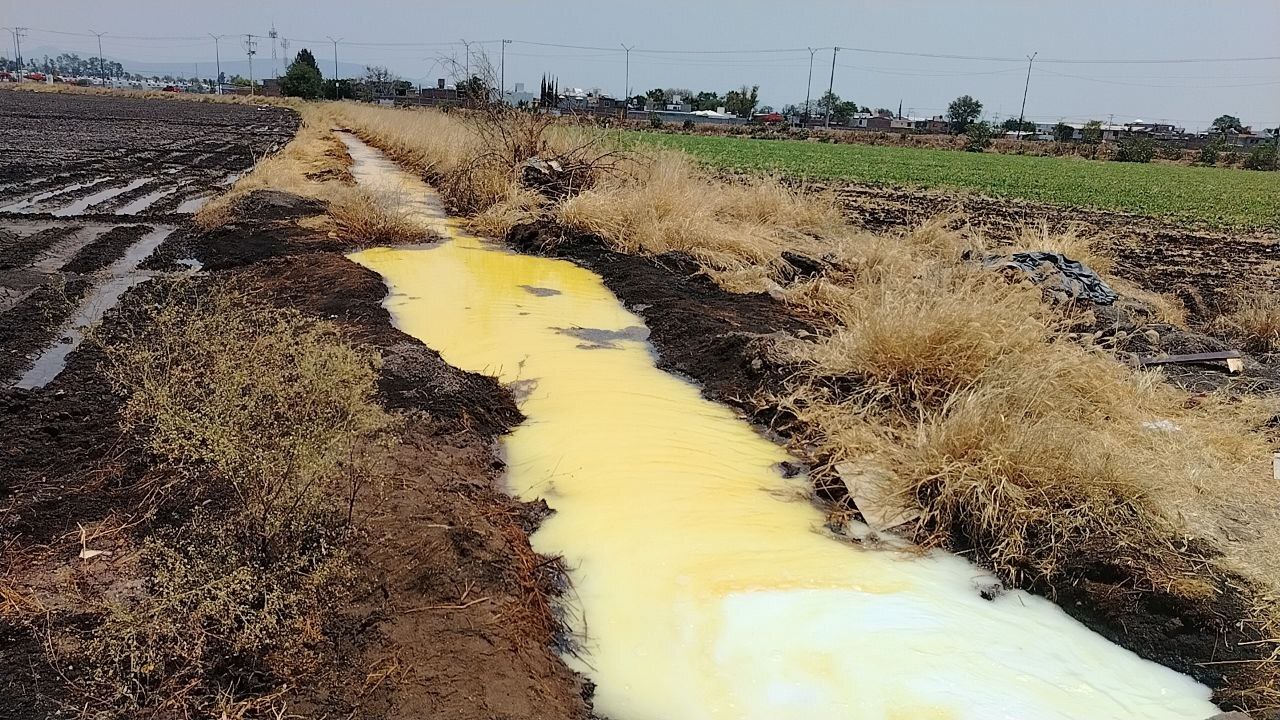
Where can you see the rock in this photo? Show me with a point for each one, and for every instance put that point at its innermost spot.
(1230, 716)
(1152, 336)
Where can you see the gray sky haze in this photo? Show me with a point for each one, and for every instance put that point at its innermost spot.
(674, 43)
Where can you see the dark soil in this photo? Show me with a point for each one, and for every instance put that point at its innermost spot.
(712, 336)
(105, 249)
(31, 325)
(451, 615)
(54, 141)
(22, 252)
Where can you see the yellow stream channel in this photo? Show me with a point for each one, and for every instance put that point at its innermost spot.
(703, 583)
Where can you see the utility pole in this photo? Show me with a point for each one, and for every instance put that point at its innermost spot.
(217, 56)
(284, 51)
(18, 33)
(250, 49)
(626, 85)
(1022, 114)
(467, 73)
(502, 73)
(335, 64)
(808, 90)
(102, 73)
(832, 84)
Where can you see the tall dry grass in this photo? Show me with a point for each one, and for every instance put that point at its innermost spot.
(1253, 320)
(1035, 454)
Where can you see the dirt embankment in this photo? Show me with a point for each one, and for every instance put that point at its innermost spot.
(717, 339)
(450, 613)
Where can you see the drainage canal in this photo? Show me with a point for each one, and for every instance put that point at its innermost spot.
(704, 584)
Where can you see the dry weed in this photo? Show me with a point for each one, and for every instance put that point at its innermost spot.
(1253, 321)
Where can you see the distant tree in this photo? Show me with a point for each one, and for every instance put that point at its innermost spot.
(639, 100)
(1227, 122)
(828, 102)
(474, 89)
(764, 109)
(1091, 134)
(1012, 125)
(1263, 157)
(657, 95)
(841, 110)
(845, 110)
(962, 112)
(1063, 132)
(305, 57)
(222, 78)
(742, 102)
(706, 101)
(979, 136)
(302, 78)
(791, 110)
(1136, 149)
(379, 80)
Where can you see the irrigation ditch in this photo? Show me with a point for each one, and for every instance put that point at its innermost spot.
(493, 573)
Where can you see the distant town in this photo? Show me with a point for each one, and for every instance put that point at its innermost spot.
(660, 107)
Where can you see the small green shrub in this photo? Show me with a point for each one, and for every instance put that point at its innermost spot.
(978, 137)
(1136, 149)
(1263, 157)
(1209, 153)
(655, 120)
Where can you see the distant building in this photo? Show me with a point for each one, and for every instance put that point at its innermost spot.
(519, 98)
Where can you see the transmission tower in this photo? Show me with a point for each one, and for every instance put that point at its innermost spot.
(284, 51)
(275, 72)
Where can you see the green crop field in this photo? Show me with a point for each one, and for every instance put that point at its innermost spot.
(1222, 197)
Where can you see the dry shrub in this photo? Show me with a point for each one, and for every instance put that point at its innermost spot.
(366, 218)
(215, 624)
(271, 402)
(1081, 248)
(1253, 321)
(269, 415)
(1027, 451)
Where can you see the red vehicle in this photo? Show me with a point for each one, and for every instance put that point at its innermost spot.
(171, 88)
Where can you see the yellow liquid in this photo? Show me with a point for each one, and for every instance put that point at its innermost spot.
(703, 584)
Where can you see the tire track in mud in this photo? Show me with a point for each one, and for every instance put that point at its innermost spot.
(91, 184)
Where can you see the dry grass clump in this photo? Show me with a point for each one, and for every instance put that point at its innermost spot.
(1036, 456)
(670, 205)
(269, 416)
(1253, 321)
(366, 218)
(520, 205)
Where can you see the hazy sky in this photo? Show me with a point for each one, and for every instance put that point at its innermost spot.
(1191, 94)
